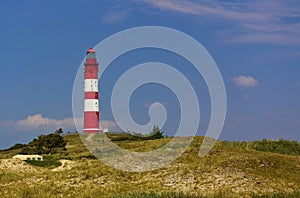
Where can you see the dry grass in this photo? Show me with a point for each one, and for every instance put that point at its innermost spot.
(229, 170)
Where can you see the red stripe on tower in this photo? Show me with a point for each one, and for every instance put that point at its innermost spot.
(91, 102)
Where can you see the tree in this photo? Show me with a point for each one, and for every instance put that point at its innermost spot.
(59, 131)
(46, 144)
(156, 133)
(16, 146)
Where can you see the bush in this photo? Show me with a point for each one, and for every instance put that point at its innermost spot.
(158, 195)
(16, 146)
(156, 133)
(279, 146)
(133, 136)
(47, 162)
(46, 144)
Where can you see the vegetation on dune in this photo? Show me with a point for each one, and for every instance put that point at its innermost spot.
(277, 146)
(45, 144)
(295, 194)
(281, 146)
(16, 146)
(48, 162)
(219, 194)
(264, 169)
(156, 133)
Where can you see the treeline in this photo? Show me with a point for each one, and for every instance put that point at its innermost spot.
(281, 146)
(156, 133)
(44, 144)
(290, 147)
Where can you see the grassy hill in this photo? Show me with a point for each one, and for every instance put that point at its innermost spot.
(231, 169)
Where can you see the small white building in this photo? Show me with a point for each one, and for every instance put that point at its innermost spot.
(105, 130)
(28, 157)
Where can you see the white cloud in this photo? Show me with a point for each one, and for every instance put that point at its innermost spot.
(114, 17)
(245, 81)
(111, 125)
(204, 8)
(38, 122)
(261, 21)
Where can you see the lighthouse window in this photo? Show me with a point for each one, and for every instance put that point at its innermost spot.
(91, 55)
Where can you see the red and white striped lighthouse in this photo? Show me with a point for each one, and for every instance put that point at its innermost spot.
(91, 102)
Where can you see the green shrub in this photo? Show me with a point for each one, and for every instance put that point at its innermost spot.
(46, 144)
(48, 162)
(156, 195)
(295, 194)
(277, 146)
(16, 146)
(156, 133)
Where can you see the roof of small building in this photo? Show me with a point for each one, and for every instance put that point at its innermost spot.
(22, 155)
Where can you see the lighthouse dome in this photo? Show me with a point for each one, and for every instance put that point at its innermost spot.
(90, 50)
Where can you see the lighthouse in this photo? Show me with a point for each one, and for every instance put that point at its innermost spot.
(91, 102)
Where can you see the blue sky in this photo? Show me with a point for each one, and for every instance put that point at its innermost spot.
(255, 44)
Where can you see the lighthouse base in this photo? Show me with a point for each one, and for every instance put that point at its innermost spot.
(91, 130)
(91, 122)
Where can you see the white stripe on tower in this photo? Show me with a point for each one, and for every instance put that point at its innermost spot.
(91, 85)
(91, 105)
